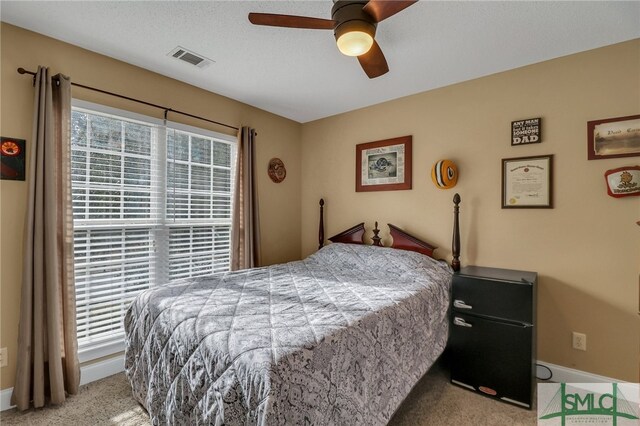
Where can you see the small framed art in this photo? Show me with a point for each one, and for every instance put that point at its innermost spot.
(524, 132)
(384, 165)
(613, 137)
(527, 182)
(12, 158)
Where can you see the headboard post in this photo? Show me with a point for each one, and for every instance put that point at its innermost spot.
(455, 245)
(321, 226)
(376, 238)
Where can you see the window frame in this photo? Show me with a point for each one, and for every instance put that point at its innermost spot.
(161, 224)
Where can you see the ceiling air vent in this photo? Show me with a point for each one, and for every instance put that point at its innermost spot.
(190, 57)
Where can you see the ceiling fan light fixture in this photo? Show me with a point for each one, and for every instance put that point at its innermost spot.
(355, 37)
(355, 43)
(354, 24)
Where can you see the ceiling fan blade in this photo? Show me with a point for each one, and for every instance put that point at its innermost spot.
(291, 21)
(383, 9)
(373, 62)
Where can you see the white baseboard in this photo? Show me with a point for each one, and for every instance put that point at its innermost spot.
(5, 399)
(569, 375)
(100, 370)
(88, 373)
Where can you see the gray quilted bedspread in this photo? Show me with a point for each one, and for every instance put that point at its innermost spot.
(338, 338)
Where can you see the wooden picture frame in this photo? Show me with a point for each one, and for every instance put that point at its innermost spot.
(613, 138)
(527, 182)
(384, 165)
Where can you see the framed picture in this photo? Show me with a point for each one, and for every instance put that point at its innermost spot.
(613, 137)
(12, 158)
(527, 182)
(384, 165)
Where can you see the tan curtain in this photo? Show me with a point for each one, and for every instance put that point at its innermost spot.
(48, 367)
(245, 230)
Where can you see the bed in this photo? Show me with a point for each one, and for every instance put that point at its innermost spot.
(340, 337)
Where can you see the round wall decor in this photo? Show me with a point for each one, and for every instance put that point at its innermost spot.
(444, 174)
(10, 148)
(277, 171)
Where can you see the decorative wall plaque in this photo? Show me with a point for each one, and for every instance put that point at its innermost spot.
(444, 174)
(613, 137)
(623, 181)
(526, 131)
(277, 171)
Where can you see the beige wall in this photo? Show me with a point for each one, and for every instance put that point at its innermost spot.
(586, 250)
(277, 137)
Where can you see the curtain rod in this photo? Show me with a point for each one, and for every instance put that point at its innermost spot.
(166, 109)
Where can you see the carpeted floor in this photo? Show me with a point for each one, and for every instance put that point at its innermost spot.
(434, 401)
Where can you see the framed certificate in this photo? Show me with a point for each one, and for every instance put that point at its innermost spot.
(527, 182)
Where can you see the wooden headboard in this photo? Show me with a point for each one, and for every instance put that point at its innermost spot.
(353, 235)
(405, 241)
(401, 240)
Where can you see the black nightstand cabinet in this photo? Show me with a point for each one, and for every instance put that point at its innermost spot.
(492, 340)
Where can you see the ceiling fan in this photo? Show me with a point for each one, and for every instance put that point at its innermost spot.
(354, 25)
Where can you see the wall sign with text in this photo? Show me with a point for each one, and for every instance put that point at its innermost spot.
(613, 137)
(526, 131)
(623, 181)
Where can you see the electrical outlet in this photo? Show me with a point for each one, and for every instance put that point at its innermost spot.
(579, 341)
(4, 359)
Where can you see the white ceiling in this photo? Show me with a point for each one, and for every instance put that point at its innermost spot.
(300, 74)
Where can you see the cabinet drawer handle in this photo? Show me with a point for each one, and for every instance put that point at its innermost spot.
(461, 305)
(462, 323)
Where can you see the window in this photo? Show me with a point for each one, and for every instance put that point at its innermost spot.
(150, 205)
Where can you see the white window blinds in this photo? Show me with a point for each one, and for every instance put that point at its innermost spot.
(199, 183)
(150, 205)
